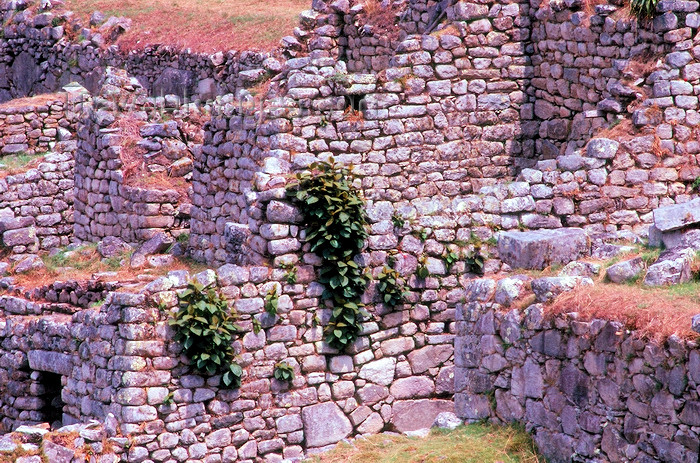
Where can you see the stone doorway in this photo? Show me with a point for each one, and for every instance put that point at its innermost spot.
(49, 388)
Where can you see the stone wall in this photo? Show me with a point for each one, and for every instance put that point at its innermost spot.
(469, 107)
(32, 125)
(36, 207)
(397, 375)
(42, 50)
(588, 390)
(107, 204)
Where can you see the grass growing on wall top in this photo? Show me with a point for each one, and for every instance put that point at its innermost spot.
(12, 164)
(467, 444)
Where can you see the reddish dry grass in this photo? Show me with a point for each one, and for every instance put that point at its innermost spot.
(382, 19)
(623, 130)
(38, 100)
(653, 313)
(201, 26)
(131, 155)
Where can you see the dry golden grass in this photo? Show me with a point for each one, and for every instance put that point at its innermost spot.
(622, 130)
(655, 313)
(83, 263)
(217, 25)
(131, 154)
(38, 100)
(468, 444)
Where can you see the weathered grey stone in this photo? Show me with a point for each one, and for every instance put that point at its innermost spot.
(580, 269)
(20, 237)
(509, 290)
(410, 415)
(481, 289)
(54, 362)
(548, 288)
(625, 270)
(29, 264)
(447, 420)
(324, 424)
(413, 387)
(380, 371)
(174, 82)
(57, 453)
(677, 216)
(541, 248)
(602, 148)
(673, 266)
(159, 243)
(423, 359)
(112, 246)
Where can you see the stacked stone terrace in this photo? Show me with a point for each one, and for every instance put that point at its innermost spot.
(482, 126)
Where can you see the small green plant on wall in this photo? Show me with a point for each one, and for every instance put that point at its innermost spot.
(272, 301)
(390, 287)
(206, 327)
(336, 229)
(643, 9)
(284, 372)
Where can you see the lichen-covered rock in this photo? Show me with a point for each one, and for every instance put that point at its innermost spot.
(538, 249)
(672, 267)
(548, 288)
(677, 216)
(626, 270)
(325, 424)
(580, 269)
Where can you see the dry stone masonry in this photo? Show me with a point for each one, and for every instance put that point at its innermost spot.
(510, 134)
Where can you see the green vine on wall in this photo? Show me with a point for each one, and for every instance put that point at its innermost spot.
(206, 328)
(336, 229)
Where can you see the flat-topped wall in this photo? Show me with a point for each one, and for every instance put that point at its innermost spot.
(121, 359)
(589, 391)
(34, 125)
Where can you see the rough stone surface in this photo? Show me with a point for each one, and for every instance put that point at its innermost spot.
(324, 424)
(538, 249)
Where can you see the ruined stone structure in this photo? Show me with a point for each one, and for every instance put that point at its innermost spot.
(490, 123)
(590, 391)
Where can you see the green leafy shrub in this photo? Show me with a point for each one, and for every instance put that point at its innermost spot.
(205, 327)
(390, 287)
(284, 372)
(643, 8)
(475, 262)
(272, 301)
(336, 224)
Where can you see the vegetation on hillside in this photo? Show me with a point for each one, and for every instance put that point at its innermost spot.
(218, 25)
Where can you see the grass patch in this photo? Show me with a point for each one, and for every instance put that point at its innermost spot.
(84, 262)
(466, 444)
(655, 312)
(201, 26)
(13, 164)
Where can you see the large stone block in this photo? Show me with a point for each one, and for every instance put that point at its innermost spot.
(20, 237)
(410, 415)
(541, 248)
(325, 424)
(53, 362)
(672, 267)
(677, 216)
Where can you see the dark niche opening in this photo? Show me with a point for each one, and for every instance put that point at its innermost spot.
(356, 102)
(50, 388)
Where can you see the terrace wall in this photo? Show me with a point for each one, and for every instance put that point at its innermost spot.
(588, 390)
(397, 375)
